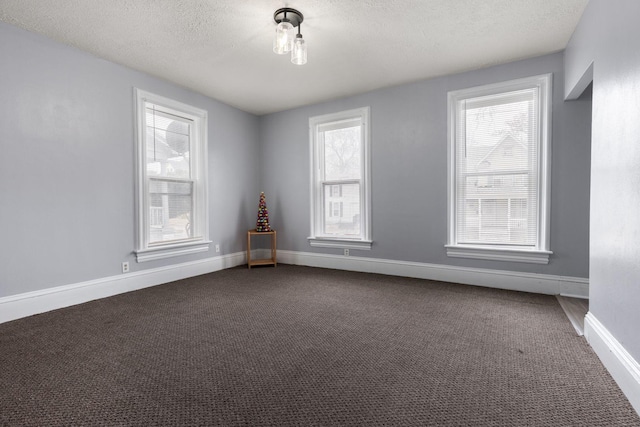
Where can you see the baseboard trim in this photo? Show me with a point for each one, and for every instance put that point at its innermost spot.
(511, 280)
(27, 304)
(30, 303)
(624, 369)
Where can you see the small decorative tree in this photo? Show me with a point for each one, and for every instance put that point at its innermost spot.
(263, 215)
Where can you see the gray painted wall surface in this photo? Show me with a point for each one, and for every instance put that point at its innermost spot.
(609, 35)
(67, 165)
(66, 168)
(409, 170)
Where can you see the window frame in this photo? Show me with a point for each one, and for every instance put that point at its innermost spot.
(541, 252)
(145, 250)
(317, 238)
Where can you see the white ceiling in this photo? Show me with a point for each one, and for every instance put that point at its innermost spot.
(222, 48)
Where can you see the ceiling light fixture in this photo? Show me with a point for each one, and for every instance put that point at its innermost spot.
(287, 19)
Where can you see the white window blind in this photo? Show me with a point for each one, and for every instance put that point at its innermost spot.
(340, 177)
(496, 169)
(499, 166)
(170, 184)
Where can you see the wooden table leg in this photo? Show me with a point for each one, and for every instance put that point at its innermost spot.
(273, 249)
(249, 250)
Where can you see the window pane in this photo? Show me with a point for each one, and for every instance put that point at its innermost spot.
(499, 137)
(342, 153)
(511, 186)
(493, 220)
(519, 231)
(470, 227)
(497, 165)
(519, 208)
(167, 145)
(170, 210)
(496, 210)
(342, 210)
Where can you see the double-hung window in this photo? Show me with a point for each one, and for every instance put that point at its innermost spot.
(171, 186)
(499, 138)
(340, 180)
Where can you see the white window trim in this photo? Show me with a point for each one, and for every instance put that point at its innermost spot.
(540, 253)
(145, 251)
(322, 242)
(316, 240)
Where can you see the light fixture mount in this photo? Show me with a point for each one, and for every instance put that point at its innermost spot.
(294, 17)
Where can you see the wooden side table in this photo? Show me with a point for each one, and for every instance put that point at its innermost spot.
(269, 261)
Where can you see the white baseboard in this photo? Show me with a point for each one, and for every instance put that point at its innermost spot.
(511, 280)
(624, 369)
(30, 303)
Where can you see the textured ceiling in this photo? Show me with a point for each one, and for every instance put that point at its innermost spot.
(222, 48)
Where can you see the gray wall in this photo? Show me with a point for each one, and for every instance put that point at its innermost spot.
(67, 165)
(409, 170)
(609, 36)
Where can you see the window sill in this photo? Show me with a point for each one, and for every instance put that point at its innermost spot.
(325, 242)
(169, 251)
(499, 254)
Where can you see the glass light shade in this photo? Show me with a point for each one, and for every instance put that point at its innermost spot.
(299, 52)
(283, 42)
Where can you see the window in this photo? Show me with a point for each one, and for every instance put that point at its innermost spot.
(340, 193)
(171, 170)
(335, 209)
(498, 171)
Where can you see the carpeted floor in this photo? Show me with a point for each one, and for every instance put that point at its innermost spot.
(303, 346)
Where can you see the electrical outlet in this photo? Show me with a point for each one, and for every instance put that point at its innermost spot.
(346, 252)
(217, 248)
(125, 267)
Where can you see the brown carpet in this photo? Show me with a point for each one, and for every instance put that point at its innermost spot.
(303, 346)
